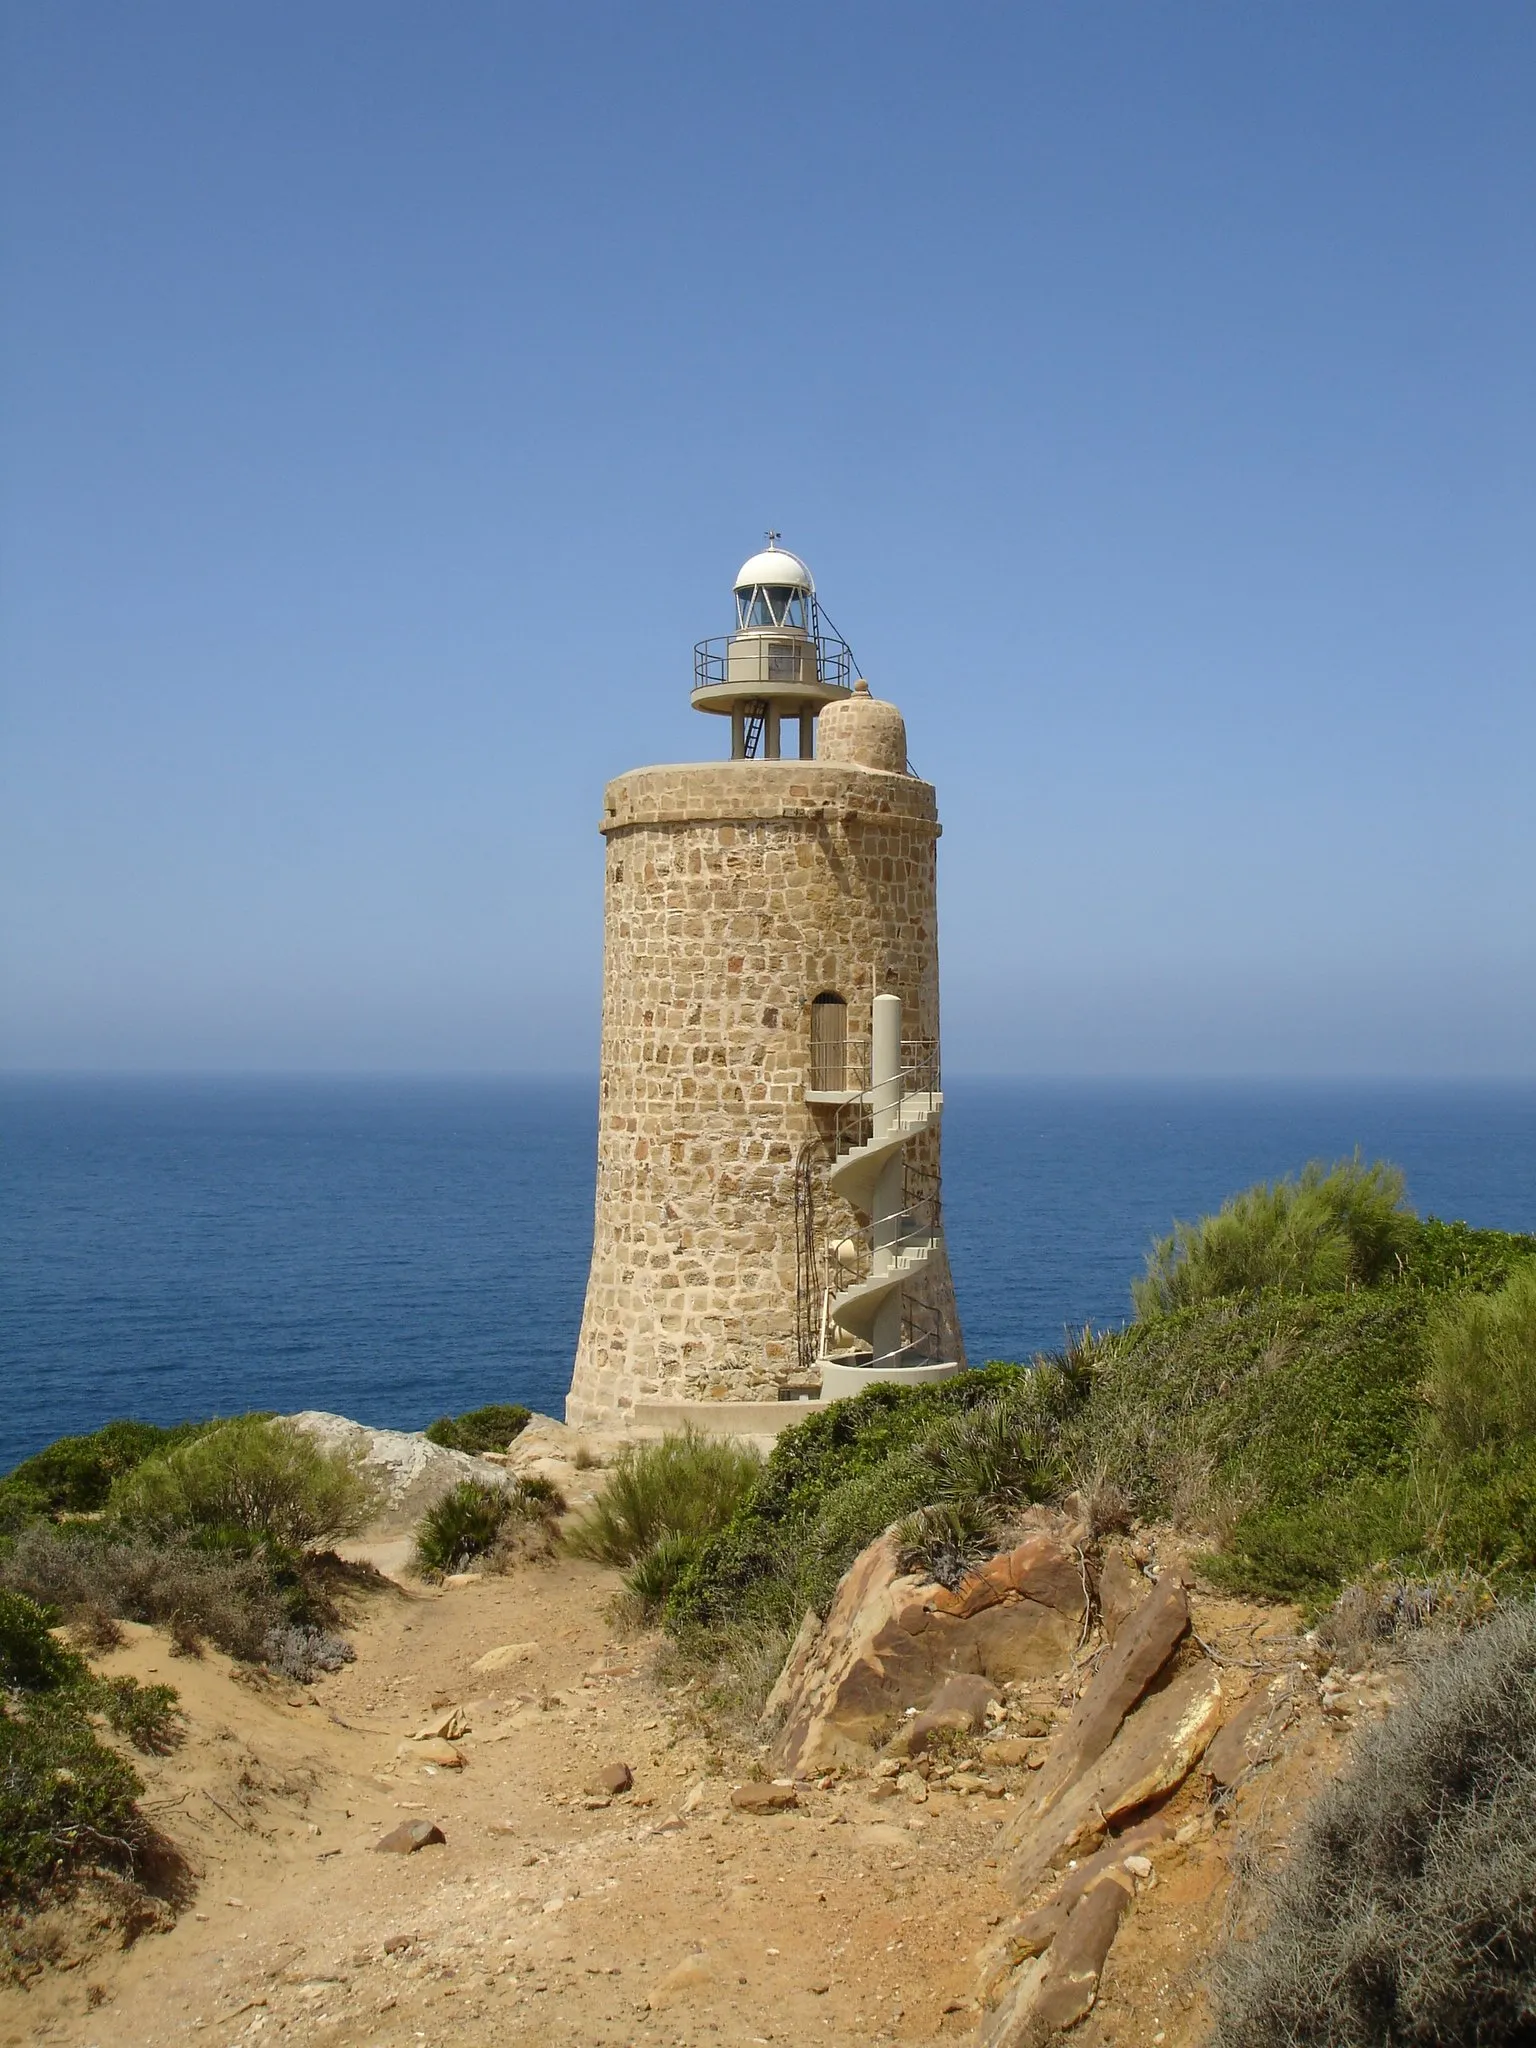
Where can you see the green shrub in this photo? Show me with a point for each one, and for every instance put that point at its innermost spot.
(1277, 1398)
(1001, 1452)
(476, 1519)
(660, 1503)
(31, 1659)
(462, 1526)
(75, 1474)
(65, 1799)
(832, 1483)
(147, 1714)
(1329, 1228)
(259, 1478)
(651, 1578)
(481, 1429)
(1444, 1256)
(948, 1540)
(1274, 1405)
(1405, 1912)
(1482, 1366)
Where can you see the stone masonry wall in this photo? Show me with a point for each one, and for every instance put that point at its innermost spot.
(735, 893)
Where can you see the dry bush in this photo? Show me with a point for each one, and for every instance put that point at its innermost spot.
(93, 1628)
(1391, 1605)
(1405, 1913)
(301, 1653)
(730, 1681)
(228, 1598)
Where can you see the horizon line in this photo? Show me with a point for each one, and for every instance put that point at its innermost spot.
(1034, 1077)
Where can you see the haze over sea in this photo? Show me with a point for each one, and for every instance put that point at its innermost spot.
(399, 1249)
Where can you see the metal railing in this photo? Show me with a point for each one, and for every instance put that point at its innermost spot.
(852, 1258)
(853, 1118)
(712, 662)
(920, 1345)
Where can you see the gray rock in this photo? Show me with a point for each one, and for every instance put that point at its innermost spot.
(412, 1474)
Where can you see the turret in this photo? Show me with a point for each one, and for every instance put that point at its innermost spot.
(782, 663)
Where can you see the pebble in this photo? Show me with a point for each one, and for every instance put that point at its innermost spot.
(611, 1780)
(760, 1798)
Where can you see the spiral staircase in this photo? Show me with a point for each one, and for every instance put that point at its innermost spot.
(898, 1245)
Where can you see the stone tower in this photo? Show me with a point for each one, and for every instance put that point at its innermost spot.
(767, 1218)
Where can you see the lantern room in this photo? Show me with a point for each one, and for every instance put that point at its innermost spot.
(782, 664)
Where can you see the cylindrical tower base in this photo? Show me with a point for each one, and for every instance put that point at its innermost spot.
(736, 894)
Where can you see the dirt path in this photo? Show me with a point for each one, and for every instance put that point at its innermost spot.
(547, 1916)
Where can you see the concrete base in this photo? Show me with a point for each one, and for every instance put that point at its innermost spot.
(769, 1418)
(838, 1382)
(720, 1418)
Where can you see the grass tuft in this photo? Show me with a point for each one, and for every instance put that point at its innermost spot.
(477, 1521)
(1329, 1228)
(660, 1504)
(1481, 1382)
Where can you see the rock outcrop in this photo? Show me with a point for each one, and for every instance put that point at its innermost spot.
(412, 1473)
(891, 1639)
(570, 1459)
(902, 1669)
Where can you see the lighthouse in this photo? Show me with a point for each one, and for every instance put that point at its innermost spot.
(768, 1227)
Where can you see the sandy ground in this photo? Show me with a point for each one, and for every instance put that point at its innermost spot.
(663, 1916)
(552, 1914)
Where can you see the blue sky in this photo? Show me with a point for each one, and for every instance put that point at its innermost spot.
(390, 393)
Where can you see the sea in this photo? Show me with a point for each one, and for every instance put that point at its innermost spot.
(396, 1249)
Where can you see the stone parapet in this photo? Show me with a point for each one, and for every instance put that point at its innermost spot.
(753, 792)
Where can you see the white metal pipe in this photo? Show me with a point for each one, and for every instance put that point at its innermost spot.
(885, 1214)
(885, 1064)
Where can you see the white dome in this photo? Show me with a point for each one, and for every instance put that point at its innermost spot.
(776, 567)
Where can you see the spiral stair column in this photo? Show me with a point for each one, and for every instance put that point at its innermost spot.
(890, 1189)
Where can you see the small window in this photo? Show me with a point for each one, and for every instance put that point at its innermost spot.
(829, 1044)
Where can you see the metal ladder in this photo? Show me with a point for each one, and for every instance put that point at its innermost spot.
(755, 717)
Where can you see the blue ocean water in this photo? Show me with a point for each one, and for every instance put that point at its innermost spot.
(395, 1250)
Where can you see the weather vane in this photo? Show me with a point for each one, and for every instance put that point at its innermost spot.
(772, 537)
